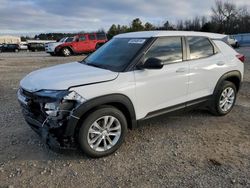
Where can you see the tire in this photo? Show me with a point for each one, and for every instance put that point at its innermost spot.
(222, 96)
(66, 52)
(89, 141)
(52, 54)
(16, 50)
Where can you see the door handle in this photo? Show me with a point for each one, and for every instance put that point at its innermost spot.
(220, 63)
(180, 70)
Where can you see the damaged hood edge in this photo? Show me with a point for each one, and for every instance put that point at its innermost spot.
(65, 76)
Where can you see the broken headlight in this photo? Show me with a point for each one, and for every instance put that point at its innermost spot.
(64, 102)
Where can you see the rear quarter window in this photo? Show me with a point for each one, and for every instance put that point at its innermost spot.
(200, 47)
(101, 36)
(225, 48)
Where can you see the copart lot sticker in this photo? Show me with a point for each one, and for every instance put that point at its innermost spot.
(136, 41)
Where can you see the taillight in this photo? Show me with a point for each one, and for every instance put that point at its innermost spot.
(241, 57)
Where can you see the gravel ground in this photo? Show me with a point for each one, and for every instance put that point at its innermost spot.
(194, 149)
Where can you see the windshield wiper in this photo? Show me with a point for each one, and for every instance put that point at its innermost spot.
(96, 65)
(93, 64)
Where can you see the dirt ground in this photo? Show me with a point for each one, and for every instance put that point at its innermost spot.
(194, 149)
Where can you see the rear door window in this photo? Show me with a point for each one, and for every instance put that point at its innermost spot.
(82, 38)
(200, 47)
(101, 36)
(92, 37)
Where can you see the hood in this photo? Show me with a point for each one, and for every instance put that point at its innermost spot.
(62, 77)
(54, 44)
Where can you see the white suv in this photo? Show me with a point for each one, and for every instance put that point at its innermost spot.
(50, 47)
(133, 77)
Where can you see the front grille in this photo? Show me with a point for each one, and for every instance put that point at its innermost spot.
(32, 109)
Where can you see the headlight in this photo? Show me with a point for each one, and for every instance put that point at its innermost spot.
(52, 95)
(63, 101)
(74, 96)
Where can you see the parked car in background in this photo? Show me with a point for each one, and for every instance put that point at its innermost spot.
(232, 41)
(133, 77)
(34, 47)
(10, 48)
(82, 43)
(23, 46)
(50, 47)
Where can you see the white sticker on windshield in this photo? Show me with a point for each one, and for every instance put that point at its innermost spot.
(136, 41)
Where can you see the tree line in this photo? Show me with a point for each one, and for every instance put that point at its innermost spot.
(226, 18)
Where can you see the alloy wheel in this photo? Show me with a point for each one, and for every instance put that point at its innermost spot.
(66, 52)
(227, 99)
(104, 133)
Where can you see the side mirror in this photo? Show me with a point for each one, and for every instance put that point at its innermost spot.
(77, 39)
(152, 63)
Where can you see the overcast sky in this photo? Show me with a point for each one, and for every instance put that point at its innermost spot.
(36, 16)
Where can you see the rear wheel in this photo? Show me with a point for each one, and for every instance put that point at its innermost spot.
(102, 132)
(224, 99)
(66, 52)
(97, 46)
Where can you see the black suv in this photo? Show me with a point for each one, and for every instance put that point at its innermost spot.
(34, 47)
(10, 48)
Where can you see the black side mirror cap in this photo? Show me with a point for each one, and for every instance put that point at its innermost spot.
(152, 63)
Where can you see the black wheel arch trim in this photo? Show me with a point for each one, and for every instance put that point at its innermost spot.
(96, 102)
(234, 73)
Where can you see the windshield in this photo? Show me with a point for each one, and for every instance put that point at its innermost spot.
(69, 39)
(62, 40)
(116, 54)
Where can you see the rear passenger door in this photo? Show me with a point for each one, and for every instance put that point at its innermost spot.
(205, 66)
(157, 89)
(92, 41)
(82, 44)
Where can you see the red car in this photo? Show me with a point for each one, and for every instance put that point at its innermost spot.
(82, 43)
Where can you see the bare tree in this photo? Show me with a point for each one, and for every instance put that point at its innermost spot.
(224, 16)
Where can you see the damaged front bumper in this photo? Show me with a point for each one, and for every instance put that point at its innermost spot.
(49, 114)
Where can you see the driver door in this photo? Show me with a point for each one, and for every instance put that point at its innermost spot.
(158, 89)
(82, 45)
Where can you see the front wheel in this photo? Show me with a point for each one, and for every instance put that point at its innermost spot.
(66, 52)
(102, 132)
(224, 99)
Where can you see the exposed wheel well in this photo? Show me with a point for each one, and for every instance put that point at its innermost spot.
(232, 76)
(124, 110)
(117, 105)
(235, 80)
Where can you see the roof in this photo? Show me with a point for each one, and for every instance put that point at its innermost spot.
(149, 34)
